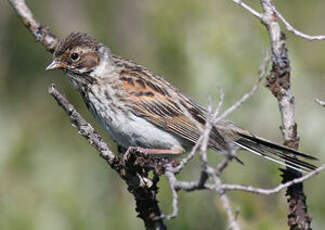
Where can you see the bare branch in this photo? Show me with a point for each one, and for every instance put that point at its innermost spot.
(84, 128)
(172, 184)
(205, 141)
(262, 191)
(279, 83)
(208, 171)
(320, 102)
(262, 71)
(245, 97)
(42, 34)
(232, 223)
(189, 186)
(189, 157)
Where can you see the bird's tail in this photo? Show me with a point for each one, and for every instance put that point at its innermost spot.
(277, 153)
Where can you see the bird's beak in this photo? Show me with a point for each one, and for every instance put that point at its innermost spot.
(54, 65)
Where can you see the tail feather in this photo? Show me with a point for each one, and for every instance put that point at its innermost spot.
(276, 153)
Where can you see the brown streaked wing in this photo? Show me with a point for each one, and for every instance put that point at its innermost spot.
(148, 98)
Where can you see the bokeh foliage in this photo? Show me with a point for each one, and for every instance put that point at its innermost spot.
(50, 178)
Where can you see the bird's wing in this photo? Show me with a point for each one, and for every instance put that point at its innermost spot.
(154, 99)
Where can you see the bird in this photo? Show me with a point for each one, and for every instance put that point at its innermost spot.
(140, 109)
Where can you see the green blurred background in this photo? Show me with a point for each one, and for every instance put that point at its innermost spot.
(51, 178)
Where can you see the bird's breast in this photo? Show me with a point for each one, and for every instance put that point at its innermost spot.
(122, 125)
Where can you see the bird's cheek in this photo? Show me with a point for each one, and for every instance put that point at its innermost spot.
(89, 61)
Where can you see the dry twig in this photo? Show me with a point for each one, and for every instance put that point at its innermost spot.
(290, 28)
(189, 186)
(287, 25)
(320, 102)
(42, 34)
(280, 187)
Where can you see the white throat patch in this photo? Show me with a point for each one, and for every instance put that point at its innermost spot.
(105, 64)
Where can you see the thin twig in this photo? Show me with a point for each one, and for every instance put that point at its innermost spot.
(208, 171)
(84, 128)
(184, 161)
(262, 72)
(232, 222)
(205, 141)
(280, 187)
(320, 102)
(189, 186)
(172, 184)
(290, 28)
(224, 163)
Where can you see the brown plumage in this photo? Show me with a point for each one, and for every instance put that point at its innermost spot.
(139, 108)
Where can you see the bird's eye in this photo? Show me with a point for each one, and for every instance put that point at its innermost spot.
(74, 56)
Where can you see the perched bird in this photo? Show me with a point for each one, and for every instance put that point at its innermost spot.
(140, 109)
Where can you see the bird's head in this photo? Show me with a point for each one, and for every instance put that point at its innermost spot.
(78, 54)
